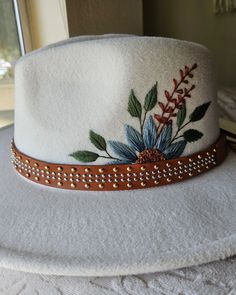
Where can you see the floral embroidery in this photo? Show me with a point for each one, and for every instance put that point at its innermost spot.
(155, 140)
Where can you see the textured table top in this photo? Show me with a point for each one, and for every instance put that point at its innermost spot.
(217, 278)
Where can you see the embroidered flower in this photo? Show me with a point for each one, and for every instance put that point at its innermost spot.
(154, 141)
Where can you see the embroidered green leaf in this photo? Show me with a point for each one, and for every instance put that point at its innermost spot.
(199, 112)
(151, 99)
(134, 106)
(85, 156)
(181, 115)
(192, 135)
(98, 141)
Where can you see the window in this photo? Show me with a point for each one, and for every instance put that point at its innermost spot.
(11, 47)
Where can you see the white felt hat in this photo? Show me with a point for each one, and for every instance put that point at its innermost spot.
(115, 100)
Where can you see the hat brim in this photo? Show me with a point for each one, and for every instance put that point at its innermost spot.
(63, 232)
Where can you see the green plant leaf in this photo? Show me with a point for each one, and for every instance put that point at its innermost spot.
(98, 141)
(151, 99)
(134, 106)
(192, 135)
(199, 112)
(181, 115)
(85, 156)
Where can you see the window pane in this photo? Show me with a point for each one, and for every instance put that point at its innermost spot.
(9, 43)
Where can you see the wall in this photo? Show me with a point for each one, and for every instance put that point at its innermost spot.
(48, 21)
(194, 20)
(104, 16)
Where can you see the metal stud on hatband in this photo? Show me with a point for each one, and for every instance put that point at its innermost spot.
(143, 184)
(129, 169)
(129, 185)
(27, 161)
(46, 168)
(73, 169)
(214, 150)
(115, 169)
(115, 185)
(156, 182)
(169, 179)
(180, 177)
(87, 170)
(156, 167)
(101, 185)
(101, 170)
(168, 165)
(87, 185)
(59, 183)
(27, 175)
(19, 157)
(60, 169)
(143, 168)
(73, 185)
(199, 157)
(180, 162)
(47, 181)
(190, 174)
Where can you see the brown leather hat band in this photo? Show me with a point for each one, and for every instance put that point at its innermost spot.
(119, 177)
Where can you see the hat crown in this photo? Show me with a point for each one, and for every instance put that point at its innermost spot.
(123, 99)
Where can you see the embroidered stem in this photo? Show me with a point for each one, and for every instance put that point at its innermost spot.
(110, 157)
(144, 118)
(177, 132)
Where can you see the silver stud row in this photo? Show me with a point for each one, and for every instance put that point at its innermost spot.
(156, 174)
